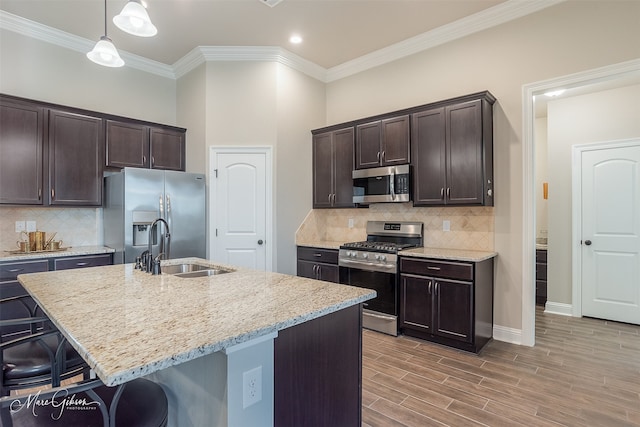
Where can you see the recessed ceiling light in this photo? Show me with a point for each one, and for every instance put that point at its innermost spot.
(554, 93)
(295, 39)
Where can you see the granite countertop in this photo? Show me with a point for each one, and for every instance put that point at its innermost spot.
(437, 253)
(126, 323)
(448, 254)
(323, 244)
(71, 251)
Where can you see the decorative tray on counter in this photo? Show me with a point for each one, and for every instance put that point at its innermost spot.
(19, 252)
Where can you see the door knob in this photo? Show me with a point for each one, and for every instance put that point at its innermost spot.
(587, 242)
(260, 242)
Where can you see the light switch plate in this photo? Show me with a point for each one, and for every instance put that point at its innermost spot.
(31, 226)
(446, 225)
(20, 226)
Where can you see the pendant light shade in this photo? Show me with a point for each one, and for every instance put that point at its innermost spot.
(135, 20)
(105, 53)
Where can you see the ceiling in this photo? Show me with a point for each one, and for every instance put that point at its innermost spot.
(333, 31)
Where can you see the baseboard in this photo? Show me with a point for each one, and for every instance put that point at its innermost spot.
(510, 335)
(558, 308)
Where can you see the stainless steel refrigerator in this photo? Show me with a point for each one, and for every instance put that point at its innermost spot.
(134, 198)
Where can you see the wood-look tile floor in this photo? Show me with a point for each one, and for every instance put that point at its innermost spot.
(581, 372)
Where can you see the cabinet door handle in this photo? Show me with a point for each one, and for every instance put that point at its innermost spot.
(448, 192)
(39, 193)
(442, 193)
(317, 255)
(378, 156)
(82, 264)
(430, 282)
(384, 153)
(15, 270)
(153, 161)
(433, 268)
(435, 289)
(53, 193)
(144, 159)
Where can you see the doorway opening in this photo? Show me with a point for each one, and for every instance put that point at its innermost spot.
(580, 83)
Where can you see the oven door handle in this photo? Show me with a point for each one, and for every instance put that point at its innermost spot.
(342, 262)
(378, 316)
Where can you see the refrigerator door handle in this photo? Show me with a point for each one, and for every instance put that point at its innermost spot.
(168, 217)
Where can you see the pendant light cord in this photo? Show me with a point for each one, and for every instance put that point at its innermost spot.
(105, 18)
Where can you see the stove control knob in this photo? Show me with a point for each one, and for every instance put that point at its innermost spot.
(365, 255)
(378, 257)
(383, 258)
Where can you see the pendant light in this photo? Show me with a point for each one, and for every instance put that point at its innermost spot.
(104, 52)
(135, 20)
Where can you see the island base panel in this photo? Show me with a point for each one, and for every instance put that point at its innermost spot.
(318, 371)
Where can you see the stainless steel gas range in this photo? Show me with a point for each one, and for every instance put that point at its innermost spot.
(373, 264)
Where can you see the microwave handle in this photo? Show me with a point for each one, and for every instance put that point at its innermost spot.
(392, 183)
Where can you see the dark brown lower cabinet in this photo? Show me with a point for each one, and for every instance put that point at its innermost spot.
(448, 302)
(318, 372)
(319, 264)
(541, 276)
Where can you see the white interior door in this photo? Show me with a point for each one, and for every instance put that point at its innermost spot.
(610, 249)
(240, 230)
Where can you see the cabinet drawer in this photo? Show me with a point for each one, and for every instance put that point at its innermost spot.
(329, 256)
(82, 262)
(541, 256)
(446, 269)
(541, 272)
(11, 271)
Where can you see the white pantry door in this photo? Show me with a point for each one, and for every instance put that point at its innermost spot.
(610, 248)
(240, 229)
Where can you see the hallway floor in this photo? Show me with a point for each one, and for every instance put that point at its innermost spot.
(581, 372)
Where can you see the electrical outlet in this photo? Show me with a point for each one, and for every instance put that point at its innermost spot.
(31, 226)
(251, 387)
(446, 225)
(20, 226)
(350, 222)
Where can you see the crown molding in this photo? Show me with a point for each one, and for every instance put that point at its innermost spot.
(504, 12)
(202, 54)
(496, 15)
(35, 30)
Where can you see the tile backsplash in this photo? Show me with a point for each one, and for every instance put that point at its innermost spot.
(471, 228)
(74, 226)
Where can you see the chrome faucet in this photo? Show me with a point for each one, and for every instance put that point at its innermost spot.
(150, 262)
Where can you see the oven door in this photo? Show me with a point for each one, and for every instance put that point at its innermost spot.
(380, 313)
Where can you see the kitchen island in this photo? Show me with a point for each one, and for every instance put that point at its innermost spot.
(202, 337)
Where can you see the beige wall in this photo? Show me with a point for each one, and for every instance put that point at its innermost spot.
(37, 70)
(567, 38)
(252, 103)
(598, 117)
(191, 101)
(542, 204)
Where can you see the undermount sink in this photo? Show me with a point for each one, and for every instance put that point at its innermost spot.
(192, 270)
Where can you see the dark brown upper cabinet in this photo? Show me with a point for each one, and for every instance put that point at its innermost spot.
(21, 152)
(127, 144)
(56, 155)
(383, 142)
(452, 153)
(76, 144)
(167, 149)
(48, 156)
(138, 145)
(332, 169)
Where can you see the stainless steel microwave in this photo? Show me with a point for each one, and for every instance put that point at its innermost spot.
(381, 185)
